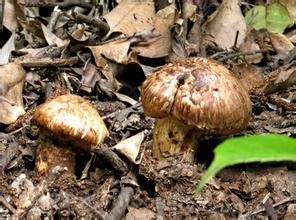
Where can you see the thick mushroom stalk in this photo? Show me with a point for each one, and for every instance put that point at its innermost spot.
(192, 97)
(66, 122)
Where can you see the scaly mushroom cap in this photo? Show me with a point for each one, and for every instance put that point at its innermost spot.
(199, 92)
(72, 118)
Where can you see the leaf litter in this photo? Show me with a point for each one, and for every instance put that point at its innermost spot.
(103, 52)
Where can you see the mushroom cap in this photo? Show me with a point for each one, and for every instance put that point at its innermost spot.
(72, 118)
(199, 92)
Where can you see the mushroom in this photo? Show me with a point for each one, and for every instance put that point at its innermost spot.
(190, 98)
(66, 122)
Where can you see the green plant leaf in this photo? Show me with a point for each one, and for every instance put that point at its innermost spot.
(255, 17)
(274, 17)
(255, 148)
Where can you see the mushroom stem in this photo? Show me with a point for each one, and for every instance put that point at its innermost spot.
(171, 137)
(49, 155)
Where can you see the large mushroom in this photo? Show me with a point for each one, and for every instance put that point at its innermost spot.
(66, 122)
(190, 98)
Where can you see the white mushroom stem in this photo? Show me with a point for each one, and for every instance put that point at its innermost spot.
(172, 137)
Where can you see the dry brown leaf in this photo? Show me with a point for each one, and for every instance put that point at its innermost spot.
(6, 50)
(222, 26)
(89, 78)
(51, 38)
(12, 77)
(131, 16)
(280, 43)
(291, 35)
(140, 213)
(251, 46)
(9, 16)
(159, 46)
(250, 76)
(284, 80)
(130, 147)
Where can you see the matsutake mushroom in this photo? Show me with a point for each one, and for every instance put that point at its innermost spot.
(66, 122)
(190, 98)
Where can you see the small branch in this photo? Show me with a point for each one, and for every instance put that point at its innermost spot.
(112, 158)
(232, 55)
(48, 62)
(121, 204)
(65, 4)
(7, 205)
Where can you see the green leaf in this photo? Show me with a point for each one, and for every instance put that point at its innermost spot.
(275, 17)
(255, 148)
(256, 17)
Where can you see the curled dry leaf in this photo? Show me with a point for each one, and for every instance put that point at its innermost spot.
(131, 16)
(280, 43)
(222, 26)
(89, 78)
(115, 50)
(130, 147)
(51, 38)
(285, 79)
(12, 77)
(159, 46)
(9, 17)
(6, 50)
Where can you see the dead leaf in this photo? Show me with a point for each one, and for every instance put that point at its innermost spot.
(6, 50)
(285, 79)
(251, 46)
(130, 147)
(131, 16)
(125, 98)
(250, 76)
(115, 50)
(222, 26)
(280, 43)
(12, 77)
(9, 16)
(159, 46)
(89, 78)
(140, 213)
(51, 38)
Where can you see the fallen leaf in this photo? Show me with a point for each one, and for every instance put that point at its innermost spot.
(284, 80)
(222, 26)
(51, 38)
(9, 16)
(130, 147)
(115, 50)
(89, 78)
(280, 43)
(12, 77)
(6, 50)
(131, 16)
(159, 46)
(140, 213)
(249, 46)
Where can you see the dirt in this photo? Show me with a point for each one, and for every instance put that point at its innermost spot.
(106, 184)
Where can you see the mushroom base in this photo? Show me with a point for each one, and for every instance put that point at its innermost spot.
(48, 156)
(171, 137)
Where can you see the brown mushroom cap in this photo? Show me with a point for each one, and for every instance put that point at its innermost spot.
(199, 92)
(72, 118)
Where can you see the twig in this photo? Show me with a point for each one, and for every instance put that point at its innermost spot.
(65, 4)
(249, 214)
(232, 55)
(121, 204)
(7, 205)
(48, 62)
(104, 27)
(112, 158)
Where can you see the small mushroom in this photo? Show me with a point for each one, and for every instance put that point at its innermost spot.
(190, 98)
(66, 122)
